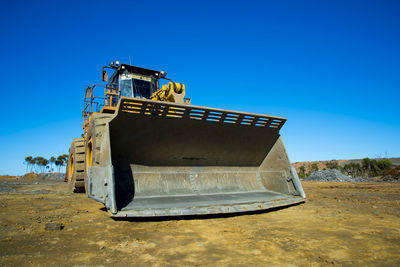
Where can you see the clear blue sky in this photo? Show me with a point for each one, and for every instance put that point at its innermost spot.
(332, 68)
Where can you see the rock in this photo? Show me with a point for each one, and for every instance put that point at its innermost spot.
(389, 178)
(332, 176)
(30, 176)
(329, 175)
(53, 226)
(55, 176)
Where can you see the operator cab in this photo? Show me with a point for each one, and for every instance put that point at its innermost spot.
(134, 85)
(132, 81)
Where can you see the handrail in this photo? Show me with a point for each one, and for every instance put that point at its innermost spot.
(92, 103)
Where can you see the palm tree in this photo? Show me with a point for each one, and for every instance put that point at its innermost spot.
(27, 162)
(61, 161)
(43, 164)
(40, 163)
(58, 164)
(34, 161)
(52, 160)
(65, 159)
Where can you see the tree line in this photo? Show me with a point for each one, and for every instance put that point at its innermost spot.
(367, 168)
(40, 164)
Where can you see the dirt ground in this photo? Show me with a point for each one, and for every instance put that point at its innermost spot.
(341, 224)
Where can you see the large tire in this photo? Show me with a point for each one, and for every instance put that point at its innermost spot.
(93, 143)
(76, 166)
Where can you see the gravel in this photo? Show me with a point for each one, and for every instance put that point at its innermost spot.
(336, 176)
(55, 176)
(331, 176)
(390, 178)
(52, 176)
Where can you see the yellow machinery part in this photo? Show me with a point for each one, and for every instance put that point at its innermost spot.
(171, 92)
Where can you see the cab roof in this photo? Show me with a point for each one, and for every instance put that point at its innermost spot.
(138, 70)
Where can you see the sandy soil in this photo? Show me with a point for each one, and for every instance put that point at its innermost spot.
(342, 224)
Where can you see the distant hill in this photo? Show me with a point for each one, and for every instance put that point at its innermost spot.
(322, 163)
(395, 161)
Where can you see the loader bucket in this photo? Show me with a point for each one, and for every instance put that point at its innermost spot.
(167, 159)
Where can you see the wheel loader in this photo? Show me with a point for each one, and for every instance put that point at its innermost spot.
(146, 151)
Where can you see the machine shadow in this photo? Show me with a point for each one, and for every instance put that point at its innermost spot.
(124, 186)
